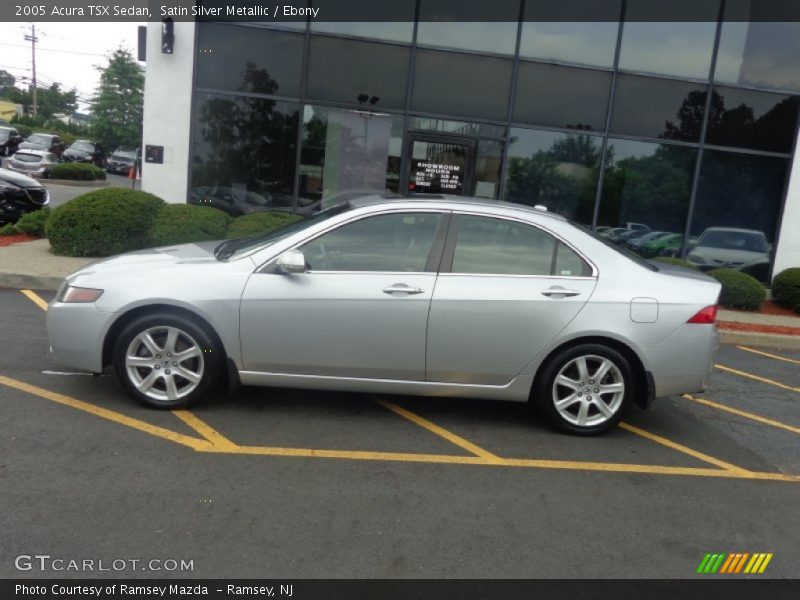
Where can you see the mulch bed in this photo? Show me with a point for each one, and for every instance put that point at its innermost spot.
(752, 327)
(7, 240)
(770, 308)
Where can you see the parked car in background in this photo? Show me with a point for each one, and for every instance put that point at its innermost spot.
(47, 142)
(84, 151)
(641, 226)
(730, 247)
(436, 296)
(636, 243)
(10, 139)
(32, 162)
(121, 160)
(20, 195)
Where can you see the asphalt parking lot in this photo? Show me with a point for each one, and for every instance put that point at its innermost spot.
(280, 483)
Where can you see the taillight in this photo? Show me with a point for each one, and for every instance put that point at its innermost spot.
(706, 316)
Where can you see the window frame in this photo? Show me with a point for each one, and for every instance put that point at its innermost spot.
(448, 253)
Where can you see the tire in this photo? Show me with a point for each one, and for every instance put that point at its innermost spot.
(146, 368)
(585, 409)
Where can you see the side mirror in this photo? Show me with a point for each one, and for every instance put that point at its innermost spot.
(292, 261)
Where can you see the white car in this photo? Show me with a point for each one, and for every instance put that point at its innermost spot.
(729, 247)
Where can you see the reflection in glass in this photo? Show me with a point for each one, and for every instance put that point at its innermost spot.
(658, 108)
(680, 49)
(469, 25)
(488, 160)
(583, 43)
(561, 96)
(646, 188)
(357, 72)
(757, 53)
(227, 59)
(462, 84)
(736, 212)
(557, 170)
(243, 153)
(750, 119)
(456, 127)
(347, 150)
(393, 32)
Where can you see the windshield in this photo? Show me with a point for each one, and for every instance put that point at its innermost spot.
(124, 154)
(38, 138)
(82, 147)
(5, 134)
(734, 240)
(230, 247)
(624, 251)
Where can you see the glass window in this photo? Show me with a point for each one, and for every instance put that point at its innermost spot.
(569, 264)
(243, 153)
(501, 247)
(395, 242)
(457, 127)
(646, 188)
(757, 53)
(562, 96)
(439, 166)
(750, 119)
(739, 198)
(658, 108)
(249, 59)
(366, 73)
(469, 25)
(462, 84)
(345, 150)
(556, 170)
(682, 47)
(488, 160)
(393, 32)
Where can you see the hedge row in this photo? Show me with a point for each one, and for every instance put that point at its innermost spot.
(115, 220)
(76, 171)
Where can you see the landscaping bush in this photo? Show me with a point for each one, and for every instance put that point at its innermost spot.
(184, 223)
(9, 229)
(786, 289)
(103, 222)
(739, 290)
(33, 223)
(76, 172)
(677, 261)
(258, 223)
(23, 130)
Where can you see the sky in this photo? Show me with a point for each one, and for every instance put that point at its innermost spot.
(66, 53)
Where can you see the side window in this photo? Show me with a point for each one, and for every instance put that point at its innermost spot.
(569, 264)
(498, 246)
(393, 242)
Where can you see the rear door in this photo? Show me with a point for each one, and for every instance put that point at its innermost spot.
(505, 290)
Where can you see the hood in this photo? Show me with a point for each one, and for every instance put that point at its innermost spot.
(200, 252)
(73, 152)
(19, 180)
(33, 146)
(722, 257)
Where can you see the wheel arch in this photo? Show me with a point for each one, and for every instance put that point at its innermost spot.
(645, 385)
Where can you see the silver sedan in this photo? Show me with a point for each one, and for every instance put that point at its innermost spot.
(436, 296)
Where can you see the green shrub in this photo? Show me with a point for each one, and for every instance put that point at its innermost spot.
(33, 223)
(9, 229)
(677, 261)
(739, 290)
(184, 223)
(76, 171)
(258, 223)
(786, 289)
(103, 222)
(23, 130)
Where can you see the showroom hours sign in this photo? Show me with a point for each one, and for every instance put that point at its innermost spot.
(436, 178)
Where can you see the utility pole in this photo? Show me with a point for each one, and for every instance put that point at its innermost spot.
(33, 39)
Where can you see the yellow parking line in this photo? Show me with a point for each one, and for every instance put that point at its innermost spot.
(440, 431)
(110, 415)
(680, 448)
(742, 413)
(769, 355)
(783, 386)
(212, 435)
(35, 298)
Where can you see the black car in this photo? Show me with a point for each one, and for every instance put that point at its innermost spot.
(121, 160)
(84, 151)
(20, 194)
(9, 140)
(43, 141)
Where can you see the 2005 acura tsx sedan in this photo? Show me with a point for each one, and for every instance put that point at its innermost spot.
(436, 295)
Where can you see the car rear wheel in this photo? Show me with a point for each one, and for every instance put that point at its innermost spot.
(585, 390)
(166, 361)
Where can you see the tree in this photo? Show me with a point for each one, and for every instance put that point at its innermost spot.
(49, 100)
(7, 81)
(118, 102)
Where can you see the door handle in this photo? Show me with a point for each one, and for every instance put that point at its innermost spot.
(402, 288)
(559, 291)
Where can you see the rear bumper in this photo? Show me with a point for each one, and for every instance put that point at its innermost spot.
(683, 362)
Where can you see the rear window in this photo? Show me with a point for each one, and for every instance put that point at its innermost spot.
(82, 147)
(38, 138)
(27, 158)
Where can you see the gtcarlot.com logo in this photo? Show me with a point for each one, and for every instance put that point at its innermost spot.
(45, 562)
(735, 563)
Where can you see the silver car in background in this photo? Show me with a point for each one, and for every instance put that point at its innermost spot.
(437, 296)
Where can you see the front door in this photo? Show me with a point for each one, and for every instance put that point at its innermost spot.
(440, 164)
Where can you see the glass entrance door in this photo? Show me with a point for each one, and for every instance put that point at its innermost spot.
(440, 165)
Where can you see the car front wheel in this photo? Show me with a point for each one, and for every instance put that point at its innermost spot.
(585, 390)
(166, 361)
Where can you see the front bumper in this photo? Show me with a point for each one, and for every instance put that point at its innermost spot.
(76, 333)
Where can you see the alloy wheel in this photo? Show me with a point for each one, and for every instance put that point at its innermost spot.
(588, 390)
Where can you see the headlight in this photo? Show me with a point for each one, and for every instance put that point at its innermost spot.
(696, 259)
(72, 294)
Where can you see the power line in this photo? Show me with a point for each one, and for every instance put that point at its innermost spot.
(60, 51)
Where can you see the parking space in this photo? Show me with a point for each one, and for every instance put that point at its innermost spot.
(333, 484)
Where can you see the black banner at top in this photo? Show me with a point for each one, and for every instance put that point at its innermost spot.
(276, 11)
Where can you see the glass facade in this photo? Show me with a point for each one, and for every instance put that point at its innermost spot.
(668, 138)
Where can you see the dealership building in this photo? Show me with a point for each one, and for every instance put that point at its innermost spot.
(681, 127)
